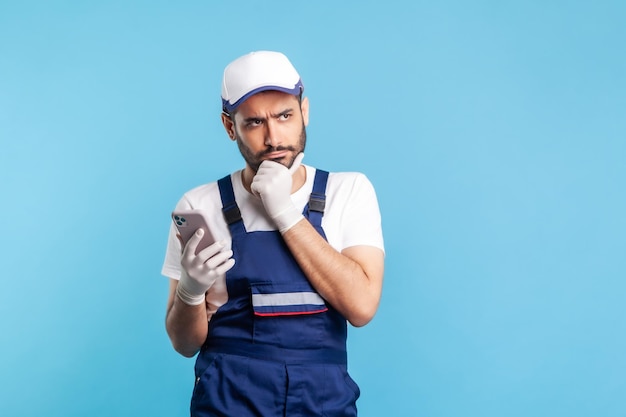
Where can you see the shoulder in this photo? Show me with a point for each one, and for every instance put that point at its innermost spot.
(198, 194)
(202, 196)
(350, 188)
(340, 177)
(343, 177)
(344, 181)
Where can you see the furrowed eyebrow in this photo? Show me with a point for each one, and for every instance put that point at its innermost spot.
(282, 113)
(273, 115)
(253, 119)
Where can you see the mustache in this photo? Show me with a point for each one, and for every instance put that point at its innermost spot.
(275, 149)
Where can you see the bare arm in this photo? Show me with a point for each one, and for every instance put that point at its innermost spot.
(187, 326)
(351, 280)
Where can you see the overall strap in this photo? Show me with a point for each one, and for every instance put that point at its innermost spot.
(314, 210)
(230, 209)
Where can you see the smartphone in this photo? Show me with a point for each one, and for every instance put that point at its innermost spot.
(187, 222)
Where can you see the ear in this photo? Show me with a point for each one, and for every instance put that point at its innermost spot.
(229, 125)
(304, 106)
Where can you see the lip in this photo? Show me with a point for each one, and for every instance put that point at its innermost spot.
(276, 155)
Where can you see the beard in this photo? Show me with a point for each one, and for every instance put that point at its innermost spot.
(254, 160)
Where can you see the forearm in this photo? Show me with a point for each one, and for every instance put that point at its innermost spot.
(342, 281)
(187, 326)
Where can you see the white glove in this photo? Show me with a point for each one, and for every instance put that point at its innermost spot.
(272, 183)
(200, 271)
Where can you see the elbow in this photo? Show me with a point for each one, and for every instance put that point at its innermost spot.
(359, 322)
(187, 353)
(359, 317)
(183, 344)
(185, 350)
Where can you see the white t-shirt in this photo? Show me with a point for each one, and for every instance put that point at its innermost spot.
(351, 218)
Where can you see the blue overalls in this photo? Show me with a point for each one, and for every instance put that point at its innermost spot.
(275, 348)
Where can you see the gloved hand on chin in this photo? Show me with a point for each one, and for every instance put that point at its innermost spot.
(200, 271)
(272, 183)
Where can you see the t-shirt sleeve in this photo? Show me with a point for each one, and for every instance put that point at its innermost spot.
(361, 219)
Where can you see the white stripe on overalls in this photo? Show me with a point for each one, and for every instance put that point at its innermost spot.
(287, 299)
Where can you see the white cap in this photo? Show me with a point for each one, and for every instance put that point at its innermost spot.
(256, 72)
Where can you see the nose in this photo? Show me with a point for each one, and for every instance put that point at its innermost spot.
(272, 138)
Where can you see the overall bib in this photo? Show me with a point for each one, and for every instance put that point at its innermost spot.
(275, 349)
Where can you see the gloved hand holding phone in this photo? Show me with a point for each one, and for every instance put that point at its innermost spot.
(199, 272)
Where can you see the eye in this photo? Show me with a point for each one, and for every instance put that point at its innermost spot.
(254, 123)
(284, 116)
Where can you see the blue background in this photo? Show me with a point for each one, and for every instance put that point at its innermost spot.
(494, 133)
